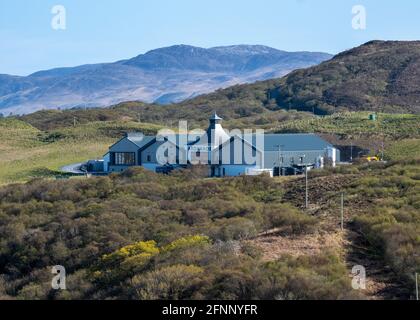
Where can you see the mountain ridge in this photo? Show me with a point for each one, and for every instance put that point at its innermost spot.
(166, 75)
(382, 76)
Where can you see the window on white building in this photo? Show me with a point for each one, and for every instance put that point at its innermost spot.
(125, 158)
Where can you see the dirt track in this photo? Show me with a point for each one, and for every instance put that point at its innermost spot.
(324, 199)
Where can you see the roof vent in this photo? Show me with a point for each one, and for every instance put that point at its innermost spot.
(134, 135)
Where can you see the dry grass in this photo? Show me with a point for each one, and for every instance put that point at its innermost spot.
(24, 154)
(273, 247)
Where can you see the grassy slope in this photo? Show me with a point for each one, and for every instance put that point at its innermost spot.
(404, 149)
(396, 126)
(196, 114)
(398, 134)
(28, 152)
(379, 75)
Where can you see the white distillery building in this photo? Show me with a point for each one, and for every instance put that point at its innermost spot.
(225, 153)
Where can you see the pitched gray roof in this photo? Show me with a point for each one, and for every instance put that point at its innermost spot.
(287, 142)
(294, 142)
(140, 141)
(180, 140)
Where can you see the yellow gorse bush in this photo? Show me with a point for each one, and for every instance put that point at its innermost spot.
(146, 248)
(140, 252)
(142, 248)
(187, 242)
(134, 257)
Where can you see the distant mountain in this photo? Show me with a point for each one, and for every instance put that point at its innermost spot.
(164, 76)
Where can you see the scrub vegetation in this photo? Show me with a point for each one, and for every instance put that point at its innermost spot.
(140, 235)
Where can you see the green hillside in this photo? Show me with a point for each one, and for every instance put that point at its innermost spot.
(380, 75)
(142, 235)
(197, 113)
(404, 149)
(30, 152)
(27, 152)
(395, 126)
(131, 230)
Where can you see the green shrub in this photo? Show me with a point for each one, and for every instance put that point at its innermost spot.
(290, 219)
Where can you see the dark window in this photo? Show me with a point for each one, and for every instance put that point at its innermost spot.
(198, 153)
(149, 158)
(125, 158)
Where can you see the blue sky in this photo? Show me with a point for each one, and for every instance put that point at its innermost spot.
(110, 30)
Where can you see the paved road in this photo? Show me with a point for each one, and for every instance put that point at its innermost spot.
(73, 168)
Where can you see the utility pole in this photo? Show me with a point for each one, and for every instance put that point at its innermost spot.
(382, 148)
(306, 183)
(74, 121)
(351, 152)
(417, 286)
(279, 156)
(342, 211)
(280, 162)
